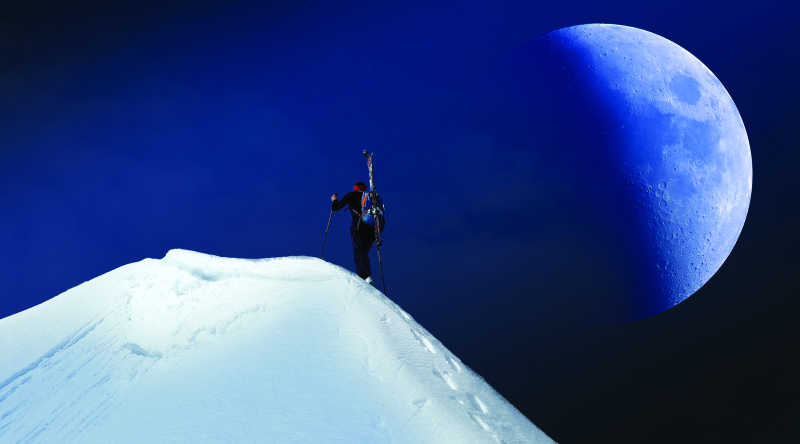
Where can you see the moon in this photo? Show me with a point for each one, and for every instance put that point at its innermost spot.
(648, 150)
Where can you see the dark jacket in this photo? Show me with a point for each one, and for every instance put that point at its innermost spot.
(352, 200)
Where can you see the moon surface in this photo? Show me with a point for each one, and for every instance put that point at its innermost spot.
(648, 150)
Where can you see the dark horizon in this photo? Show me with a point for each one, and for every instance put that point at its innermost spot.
(130, 129)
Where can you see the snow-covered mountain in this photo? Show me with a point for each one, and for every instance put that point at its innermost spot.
(200, 349)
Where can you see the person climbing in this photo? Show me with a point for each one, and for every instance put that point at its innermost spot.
(362, 234)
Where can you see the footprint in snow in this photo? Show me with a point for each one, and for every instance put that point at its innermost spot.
(139, 351)
(453, 363)
(479, 421)
(420, 402)
(477, 403)
(404, 314)
(424, 341)
(446, 377)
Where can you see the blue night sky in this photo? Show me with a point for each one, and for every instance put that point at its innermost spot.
(131, 128)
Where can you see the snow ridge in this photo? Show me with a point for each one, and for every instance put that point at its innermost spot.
(197, 348)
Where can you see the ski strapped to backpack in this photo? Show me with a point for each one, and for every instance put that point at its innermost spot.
(372, 206)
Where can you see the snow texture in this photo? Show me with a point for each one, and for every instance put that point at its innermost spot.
(200, 349)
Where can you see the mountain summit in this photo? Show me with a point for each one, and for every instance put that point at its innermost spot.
(201, 349)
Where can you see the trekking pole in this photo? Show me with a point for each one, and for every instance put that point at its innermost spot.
(381, 264)
(378, 245)
(326, 234)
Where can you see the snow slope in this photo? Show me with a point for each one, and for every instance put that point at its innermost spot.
(200, 349)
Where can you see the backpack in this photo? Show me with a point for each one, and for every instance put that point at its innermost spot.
(372, 210)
